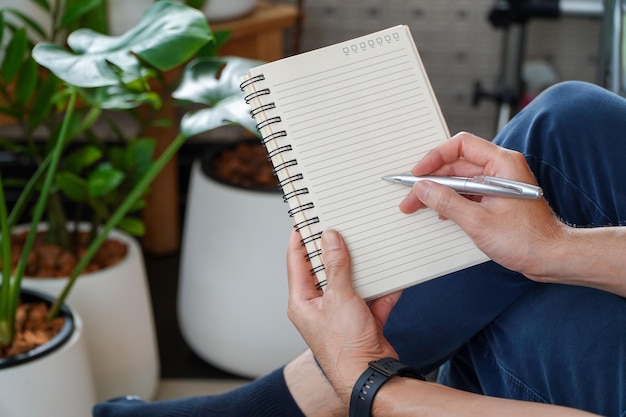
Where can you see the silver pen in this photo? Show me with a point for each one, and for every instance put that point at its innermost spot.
(480, 185)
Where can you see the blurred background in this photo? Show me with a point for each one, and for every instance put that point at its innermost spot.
(460, 46)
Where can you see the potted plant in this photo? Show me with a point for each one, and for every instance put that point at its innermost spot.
(231, 256)
(33, 368)
(105, 72)
(30, 381)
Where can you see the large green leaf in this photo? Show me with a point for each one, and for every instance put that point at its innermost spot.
(15, 55)
(43, 4)
(26, 81)
(214, 82)
(139, 156)
(168, 34)
(209, 80)
(81, 158)
(232, 110)
(132, 226)
(104, 179)
(118, 97)
(43, 101)
(74, 10)
(196, 4)
(72, 185)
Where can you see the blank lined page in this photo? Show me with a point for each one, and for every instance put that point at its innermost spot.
(352, 113)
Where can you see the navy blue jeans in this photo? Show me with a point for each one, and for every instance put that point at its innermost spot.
(494, 332)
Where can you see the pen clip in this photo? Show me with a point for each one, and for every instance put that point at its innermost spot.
(514, 186)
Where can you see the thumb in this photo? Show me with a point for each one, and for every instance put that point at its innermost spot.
(336, 261)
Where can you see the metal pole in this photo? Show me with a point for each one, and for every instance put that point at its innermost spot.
(616, 48)
(581, 7)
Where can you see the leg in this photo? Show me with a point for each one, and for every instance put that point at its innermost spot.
(557, 344)
(434, 319)
(572, 136)
(561, 344)
(297, 390)
(267, 396)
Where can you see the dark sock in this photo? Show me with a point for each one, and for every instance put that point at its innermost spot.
(267, 396)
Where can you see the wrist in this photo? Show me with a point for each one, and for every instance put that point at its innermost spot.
(546, 257)
(590, 257)
(377, 374)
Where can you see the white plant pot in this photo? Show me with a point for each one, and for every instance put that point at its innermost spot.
(116, 309)
(232, 296)
(218, 10)
(56, 384)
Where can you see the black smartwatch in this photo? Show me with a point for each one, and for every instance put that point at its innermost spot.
(368, 384)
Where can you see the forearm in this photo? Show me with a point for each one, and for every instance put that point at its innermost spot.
(591, 257)
(409, 397)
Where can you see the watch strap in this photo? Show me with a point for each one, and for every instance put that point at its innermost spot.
(375, 376)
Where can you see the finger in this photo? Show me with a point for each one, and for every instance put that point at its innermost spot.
(472, 149)
(337, 263)
(445, 201)
(381, 307)
(411, 204)
(302, 283)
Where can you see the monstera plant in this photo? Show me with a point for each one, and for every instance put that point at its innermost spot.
(94, 73)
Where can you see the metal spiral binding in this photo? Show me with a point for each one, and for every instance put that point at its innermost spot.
(306, 223)
(285, 165)
(292, 194)
(279, 150)
(273, 136)
(289, 180)
(263, 121)
(311, 238)
(314, 254)
(321, 284)
(260, 109)
(267, 122)
(307, 206)
(259, 93)
(251, 80)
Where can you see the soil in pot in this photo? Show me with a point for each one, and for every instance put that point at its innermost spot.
(243, 164)
(32, 329)
(47, 260)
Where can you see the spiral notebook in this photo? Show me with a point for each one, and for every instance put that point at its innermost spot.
(334, 121)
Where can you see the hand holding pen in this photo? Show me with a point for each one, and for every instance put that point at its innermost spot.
(524, 225)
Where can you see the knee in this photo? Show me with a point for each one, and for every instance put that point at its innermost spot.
(570, 101)
(565, 114)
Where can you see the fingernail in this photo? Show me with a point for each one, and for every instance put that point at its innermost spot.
(330, 239)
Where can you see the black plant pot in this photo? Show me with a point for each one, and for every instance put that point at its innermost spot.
(28, 296)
